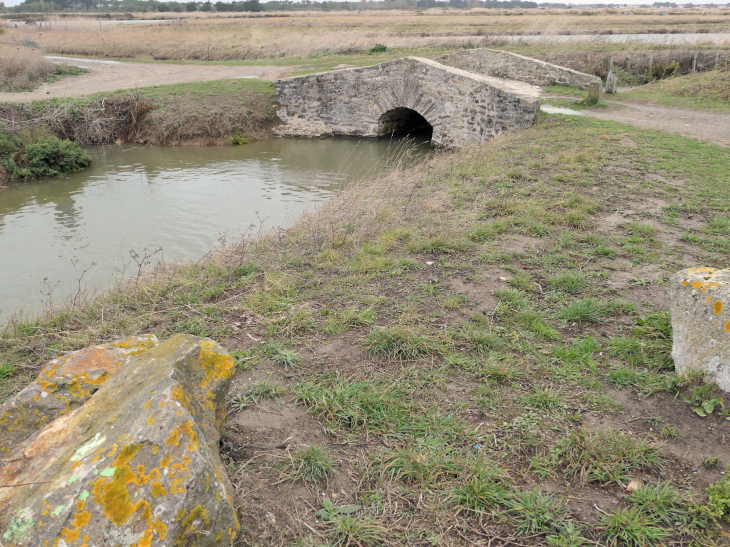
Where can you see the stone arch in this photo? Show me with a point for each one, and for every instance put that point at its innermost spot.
(401, 121)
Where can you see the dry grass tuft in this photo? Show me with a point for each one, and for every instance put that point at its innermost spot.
(23, 69)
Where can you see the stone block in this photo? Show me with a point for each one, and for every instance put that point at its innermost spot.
(137, 464)
(64, 384)
(700, 306)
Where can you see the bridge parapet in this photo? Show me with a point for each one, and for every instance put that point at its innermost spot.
(504, 64)
(376, 101)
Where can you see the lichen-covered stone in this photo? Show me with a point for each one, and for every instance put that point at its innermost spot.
(64, 384)
(700, 304)
(136, 465)
(511, 66)
(461, 107)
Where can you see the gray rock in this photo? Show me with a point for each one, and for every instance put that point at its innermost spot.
(63, 385)
(137, 464)
(700, 305)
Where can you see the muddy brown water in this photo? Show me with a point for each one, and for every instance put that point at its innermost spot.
(180, 199)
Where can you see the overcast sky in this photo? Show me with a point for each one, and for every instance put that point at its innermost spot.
(11, 3)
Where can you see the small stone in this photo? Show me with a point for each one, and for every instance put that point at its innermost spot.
(633, 486)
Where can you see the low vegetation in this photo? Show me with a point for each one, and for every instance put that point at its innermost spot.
(32, 155)
(472, 350)
(25, 70)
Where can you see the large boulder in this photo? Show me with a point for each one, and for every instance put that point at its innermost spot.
(700, 305)
(136, 465)
(64, 384)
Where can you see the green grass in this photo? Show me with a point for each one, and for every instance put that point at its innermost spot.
(401, 343)
(535, 512)
(258, 392)
(311, 465)
(604, 456)
(630, 527)
(591, 310)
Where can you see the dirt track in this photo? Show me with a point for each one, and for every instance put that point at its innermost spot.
(712, 127)
(708, 126)
(113, 75)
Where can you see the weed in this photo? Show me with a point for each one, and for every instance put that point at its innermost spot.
(718, 498)
(486, 489)
(330, 512)
(544, 399)
(704, 400)
(258, 392)
(662, 501)
(569, 536)
(401, 343)
(710, 462)
(237, 139)
(312, 465)
(670, 432)
(349, 531)
(423, 463)
(378, 48)
(356, 405)
(590, 310)
(604, 456)
(629, 527)
(535, 512)
(6, 370)
(286, 357)
(571, 282)
(345, 319)
(522, 282)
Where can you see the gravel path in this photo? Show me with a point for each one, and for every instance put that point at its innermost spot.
(713, 127)
(112, 75)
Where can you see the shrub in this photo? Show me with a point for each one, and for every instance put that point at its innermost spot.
(35, 157)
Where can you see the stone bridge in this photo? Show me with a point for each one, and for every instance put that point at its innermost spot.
(403, 96)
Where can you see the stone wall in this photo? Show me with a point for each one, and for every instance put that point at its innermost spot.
(462, 108)
(503, 64)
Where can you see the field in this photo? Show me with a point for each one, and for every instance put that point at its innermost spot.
(471, 351)
(303, 35)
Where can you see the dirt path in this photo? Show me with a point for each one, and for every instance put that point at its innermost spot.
(113, 75)
(713, 127)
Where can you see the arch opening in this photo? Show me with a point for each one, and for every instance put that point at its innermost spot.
(404, 121)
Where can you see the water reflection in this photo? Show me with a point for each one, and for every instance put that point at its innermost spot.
(178, 198)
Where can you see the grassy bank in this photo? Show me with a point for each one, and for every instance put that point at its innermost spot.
(703, 91)
(472, 351)
(198, 112)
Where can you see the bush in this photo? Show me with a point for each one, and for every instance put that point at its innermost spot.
(32, 156)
